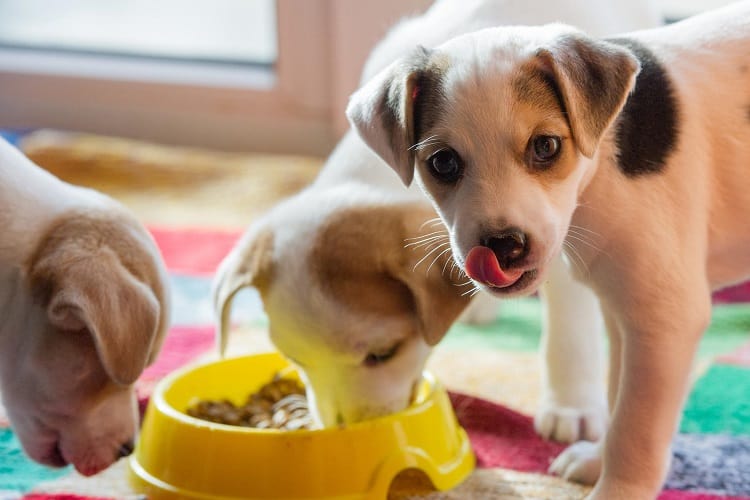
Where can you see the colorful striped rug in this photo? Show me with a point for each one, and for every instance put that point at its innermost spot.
(493, 373)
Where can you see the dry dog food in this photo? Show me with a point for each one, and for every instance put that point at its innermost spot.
(280, 404)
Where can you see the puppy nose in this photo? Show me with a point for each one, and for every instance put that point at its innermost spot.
(510, 246)
(126, 449)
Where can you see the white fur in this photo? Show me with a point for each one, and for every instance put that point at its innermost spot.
(652, 246)
(60, 401)
(329, 341)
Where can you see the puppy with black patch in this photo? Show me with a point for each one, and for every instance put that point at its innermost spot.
(629, 155)
(356, 275)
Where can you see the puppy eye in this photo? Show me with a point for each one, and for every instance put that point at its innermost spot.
(545, 148)
(376, 358)
(445, 166)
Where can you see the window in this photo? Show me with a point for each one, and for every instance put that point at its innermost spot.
(674, 10)
(220, 31)
(252, 75)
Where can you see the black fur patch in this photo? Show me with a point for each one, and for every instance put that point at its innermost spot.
(647, 128)
(429, 101)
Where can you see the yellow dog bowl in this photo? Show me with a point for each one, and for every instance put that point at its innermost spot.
(179, 456)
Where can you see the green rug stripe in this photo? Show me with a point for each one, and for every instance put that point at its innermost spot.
(17, 471)
(518, 328)
(719, 402)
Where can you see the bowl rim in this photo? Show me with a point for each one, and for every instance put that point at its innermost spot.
(160, 403)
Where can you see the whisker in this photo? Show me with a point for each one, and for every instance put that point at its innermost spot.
(464, 284)
(425, 257)
(426, 241)
(448, 261)
(573, 226)
(436, 259)
(423, 235)
(575, 258)
(585, 242)
(429, 221)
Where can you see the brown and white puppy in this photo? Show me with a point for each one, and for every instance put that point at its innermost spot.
(628, 154)
(359, 284)
(84, 307)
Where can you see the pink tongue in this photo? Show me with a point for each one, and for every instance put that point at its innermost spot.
(482, 266)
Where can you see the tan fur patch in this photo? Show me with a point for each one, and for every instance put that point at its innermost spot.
(539, 104)
(360, 258)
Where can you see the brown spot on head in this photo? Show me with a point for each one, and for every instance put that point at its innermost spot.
(534, 86)
(743, 69)
(390, 111)
(431, 97)
(361, 260)
(747, 112)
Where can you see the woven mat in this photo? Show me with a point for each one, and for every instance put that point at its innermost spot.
(197, 202)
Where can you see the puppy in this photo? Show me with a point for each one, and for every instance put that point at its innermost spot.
(627, 154)
(84, 308)
(359, 284)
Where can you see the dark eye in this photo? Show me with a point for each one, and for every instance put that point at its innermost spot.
(445, 166)
(545, 148)
(376, 358)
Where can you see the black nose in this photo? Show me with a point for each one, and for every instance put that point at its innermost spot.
(510, 246)
(126, 449)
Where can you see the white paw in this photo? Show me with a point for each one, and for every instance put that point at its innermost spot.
(580, 462)
(568, 424)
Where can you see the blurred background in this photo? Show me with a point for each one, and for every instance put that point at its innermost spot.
(239, 75)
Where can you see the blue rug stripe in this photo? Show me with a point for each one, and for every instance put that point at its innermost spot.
(17, 471)
(191, 302)
(713, 463)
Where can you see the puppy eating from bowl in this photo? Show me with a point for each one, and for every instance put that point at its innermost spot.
(629, 154)
(359, 284)
(84, 307)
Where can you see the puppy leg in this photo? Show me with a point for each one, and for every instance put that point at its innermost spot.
(582, 462)
(660, 337)
(573, 405)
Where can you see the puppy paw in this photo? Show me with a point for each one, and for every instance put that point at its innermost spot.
(580, 462)
(568, 424)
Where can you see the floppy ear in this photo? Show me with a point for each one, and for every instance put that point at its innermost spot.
(438, 295)
(593, 79)
(96, 292)
(382, 112)
(248, 265)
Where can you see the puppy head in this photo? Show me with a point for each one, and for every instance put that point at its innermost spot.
(95, 314)
(350, 303)
(499, 126)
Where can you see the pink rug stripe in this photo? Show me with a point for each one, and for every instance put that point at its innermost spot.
(63, 496)
(686, 495)
(502, 437)
(182, 345)
(194, 251)
(740, 356)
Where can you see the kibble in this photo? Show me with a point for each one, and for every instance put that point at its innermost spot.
(279, 404)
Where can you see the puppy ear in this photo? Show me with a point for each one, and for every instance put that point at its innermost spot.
(436, 289)
(96, 292)
(382, 112)
(593, 79)
(248, 265)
